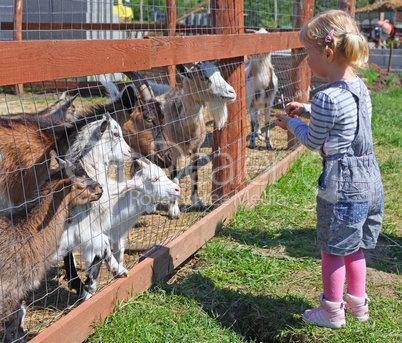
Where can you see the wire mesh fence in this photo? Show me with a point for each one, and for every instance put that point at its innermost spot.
(98, 171)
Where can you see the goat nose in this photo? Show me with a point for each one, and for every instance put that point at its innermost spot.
(232, 91)
(177, 190)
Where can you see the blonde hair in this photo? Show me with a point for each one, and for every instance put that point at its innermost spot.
(346, 38)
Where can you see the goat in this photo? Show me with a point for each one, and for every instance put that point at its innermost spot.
(127, 201)
(261, 87)
(140, 117)
(30, 235)
(95, 145)
(203, 85)
(28, 143)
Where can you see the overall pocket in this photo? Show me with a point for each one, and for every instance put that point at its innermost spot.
(351, 211)
(327, 167)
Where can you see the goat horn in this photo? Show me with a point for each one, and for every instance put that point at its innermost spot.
(141, 84)
(146, 160)
(68, 167)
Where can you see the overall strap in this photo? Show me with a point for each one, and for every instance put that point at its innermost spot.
(362, 143)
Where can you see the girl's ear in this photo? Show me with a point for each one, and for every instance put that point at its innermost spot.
(329, 54)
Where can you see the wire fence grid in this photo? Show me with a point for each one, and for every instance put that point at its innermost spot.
(54, 129)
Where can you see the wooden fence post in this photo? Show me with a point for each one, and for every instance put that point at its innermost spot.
(171, 30)
(229, 143)
(300, 74)
(347, 6)
(18, 89)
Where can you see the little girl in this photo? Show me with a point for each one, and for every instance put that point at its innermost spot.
(350, 201)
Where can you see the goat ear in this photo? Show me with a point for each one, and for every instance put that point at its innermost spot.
(135, 167)
(129, 98)
(63, 96)
(130, 184)
(68, 168)
(68, 103)
(184, 71)
(104, 125)
(214, 62)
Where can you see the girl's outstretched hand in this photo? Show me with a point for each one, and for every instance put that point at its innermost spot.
(294, 109)
(282, 121)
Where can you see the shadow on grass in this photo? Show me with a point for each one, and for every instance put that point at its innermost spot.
(302, 243)
(255, 318)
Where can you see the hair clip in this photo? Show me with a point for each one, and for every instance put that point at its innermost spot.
(329, 37)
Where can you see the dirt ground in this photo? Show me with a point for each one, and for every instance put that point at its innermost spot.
(53, 299)
(382, 80)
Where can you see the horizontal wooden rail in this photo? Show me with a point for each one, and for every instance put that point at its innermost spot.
(38, 26)
(32, 61)
(35, 26)
(180, 28)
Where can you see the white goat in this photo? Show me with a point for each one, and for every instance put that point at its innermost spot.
(261, 87)
(202, 86)
(96, 145)
(127, 202)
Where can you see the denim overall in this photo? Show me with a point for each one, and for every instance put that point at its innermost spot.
(350, 200)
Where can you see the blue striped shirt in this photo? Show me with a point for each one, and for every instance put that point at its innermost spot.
(333, 119)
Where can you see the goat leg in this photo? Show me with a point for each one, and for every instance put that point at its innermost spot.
(14, 328)
(267, 127)
(74, 281)
(252, 136)
(195, 198)
(174, 210)
(92, 274)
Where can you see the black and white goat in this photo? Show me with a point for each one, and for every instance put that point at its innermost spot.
(261, 87)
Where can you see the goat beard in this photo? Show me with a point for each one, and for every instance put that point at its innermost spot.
(219, 112)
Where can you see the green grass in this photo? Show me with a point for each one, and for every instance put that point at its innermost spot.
(370, 75)
(253, 282)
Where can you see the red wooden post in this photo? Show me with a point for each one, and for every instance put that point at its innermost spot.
(347, 6)
(18, 89)
(171, 30)
(229, 145)
(300, 74)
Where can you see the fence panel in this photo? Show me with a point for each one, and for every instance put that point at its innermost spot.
(76, 60)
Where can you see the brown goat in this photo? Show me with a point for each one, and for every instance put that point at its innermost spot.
(141, 120)
(29, 237)
(28, 141)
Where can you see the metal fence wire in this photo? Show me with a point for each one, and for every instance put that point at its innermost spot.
(98, 171)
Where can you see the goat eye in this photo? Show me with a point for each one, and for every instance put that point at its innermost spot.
(116, 134)
(155, 179)
(148, 119)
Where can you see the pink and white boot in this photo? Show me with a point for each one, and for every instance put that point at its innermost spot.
(329, 314)
(357, 307)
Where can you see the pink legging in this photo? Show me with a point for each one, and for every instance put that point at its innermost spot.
(334, 268)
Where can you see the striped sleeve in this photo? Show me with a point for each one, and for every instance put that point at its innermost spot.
(322, 119)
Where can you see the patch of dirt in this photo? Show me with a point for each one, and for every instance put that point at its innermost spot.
(383, 79)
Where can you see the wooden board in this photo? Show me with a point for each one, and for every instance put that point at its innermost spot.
(32, 61)
(77, 325)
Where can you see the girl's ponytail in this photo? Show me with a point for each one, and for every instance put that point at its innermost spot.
(355, 48)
